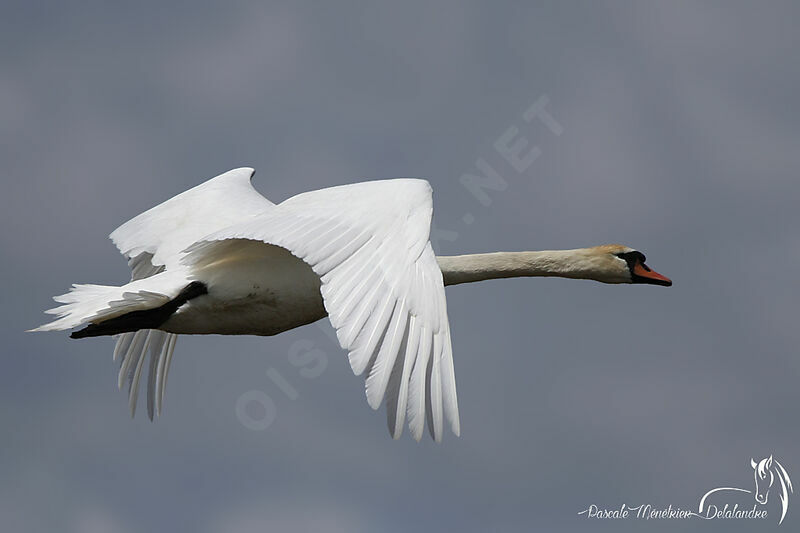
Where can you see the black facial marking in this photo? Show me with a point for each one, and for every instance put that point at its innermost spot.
(631, 258)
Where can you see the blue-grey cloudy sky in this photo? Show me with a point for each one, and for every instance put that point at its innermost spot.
(681, 137)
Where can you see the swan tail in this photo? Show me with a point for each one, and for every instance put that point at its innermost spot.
(97, 304)
(148, 318)
(110, 310)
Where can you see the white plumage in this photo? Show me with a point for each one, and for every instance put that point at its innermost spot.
(221, 258)
(367, 245)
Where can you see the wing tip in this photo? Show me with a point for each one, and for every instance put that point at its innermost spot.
(455, 427)
(374, 400)
(238, 172)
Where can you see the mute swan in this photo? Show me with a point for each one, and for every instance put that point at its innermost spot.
(221, 258)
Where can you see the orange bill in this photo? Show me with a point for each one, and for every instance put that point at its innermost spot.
(649, 275)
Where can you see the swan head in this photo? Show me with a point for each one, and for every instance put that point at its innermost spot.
(621, 264)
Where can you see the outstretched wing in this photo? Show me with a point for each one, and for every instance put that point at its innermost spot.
(382, 287)
(152, 242)
(165, 230)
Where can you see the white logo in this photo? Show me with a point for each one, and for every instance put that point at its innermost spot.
(769, 474)
(765, 472)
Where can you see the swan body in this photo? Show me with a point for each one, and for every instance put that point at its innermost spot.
(254, 290)
(222, 259)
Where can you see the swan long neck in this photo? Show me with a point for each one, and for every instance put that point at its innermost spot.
(581, 263)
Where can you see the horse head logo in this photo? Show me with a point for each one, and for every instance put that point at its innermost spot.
(766, 472)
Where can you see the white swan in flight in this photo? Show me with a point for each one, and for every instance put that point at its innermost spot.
(221, 258)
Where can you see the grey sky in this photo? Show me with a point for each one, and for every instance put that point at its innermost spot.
(681, 138)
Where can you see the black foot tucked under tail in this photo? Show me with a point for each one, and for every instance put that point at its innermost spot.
(146, 319)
